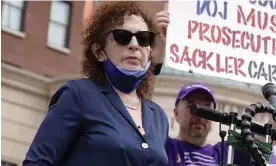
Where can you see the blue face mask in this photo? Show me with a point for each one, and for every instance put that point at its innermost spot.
(125, 80)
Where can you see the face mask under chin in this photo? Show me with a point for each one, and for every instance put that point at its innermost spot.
(125, 80)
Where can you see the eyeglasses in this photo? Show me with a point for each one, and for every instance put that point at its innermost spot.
(123, 37)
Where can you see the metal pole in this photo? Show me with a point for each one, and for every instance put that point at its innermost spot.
(233, 116)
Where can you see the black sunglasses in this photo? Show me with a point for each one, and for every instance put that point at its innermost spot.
(123, 37)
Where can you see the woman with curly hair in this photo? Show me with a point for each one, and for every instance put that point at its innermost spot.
(106, 118)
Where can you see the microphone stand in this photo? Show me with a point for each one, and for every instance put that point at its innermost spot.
(258, 151)
(268, 133)
(246, 132)
(233, 116)
(222, 135)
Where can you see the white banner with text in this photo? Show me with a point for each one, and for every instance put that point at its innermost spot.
(224, 38)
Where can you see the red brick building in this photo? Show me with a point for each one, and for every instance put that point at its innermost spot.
(40, 39)
(44, 37)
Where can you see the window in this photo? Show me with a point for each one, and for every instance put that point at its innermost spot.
(13, 15)
(5, 163)
(59, 24)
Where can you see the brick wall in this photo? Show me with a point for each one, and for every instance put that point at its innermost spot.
(30, 50)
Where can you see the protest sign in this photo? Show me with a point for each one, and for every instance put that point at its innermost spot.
(224, 38)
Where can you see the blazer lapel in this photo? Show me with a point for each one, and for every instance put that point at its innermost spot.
(147, 111)
(115, 100)
(111, 95)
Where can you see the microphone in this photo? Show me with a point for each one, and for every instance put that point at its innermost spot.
(269, 92)
(206, 112)
(209, 113)
(224, 118)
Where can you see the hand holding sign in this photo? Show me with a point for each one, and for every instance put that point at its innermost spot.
(161, 20)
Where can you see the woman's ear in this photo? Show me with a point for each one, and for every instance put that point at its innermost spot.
(97, 51)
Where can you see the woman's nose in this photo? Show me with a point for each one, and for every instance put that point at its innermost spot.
(133, 45)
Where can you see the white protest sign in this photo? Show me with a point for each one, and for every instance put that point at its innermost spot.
(232, 39)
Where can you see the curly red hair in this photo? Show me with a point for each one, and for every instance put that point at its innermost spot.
(98, 25)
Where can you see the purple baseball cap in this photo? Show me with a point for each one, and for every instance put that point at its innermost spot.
(189, 88)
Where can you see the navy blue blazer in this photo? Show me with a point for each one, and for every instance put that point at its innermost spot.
(88, 125)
